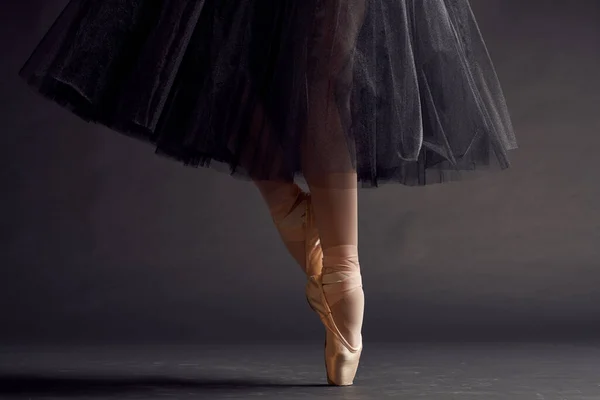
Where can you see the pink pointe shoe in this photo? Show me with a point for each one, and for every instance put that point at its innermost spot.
(341, 359)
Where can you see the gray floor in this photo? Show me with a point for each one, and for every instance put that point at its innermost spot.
(401, 371)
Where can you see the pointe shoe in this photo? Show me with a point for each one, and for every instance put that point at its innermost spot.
(341, 358)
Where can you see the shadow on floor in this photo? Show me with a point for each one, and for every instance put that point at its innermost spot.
(21, 384)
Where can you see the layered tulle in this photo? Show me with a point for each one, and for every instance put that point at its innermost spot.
(397, 90)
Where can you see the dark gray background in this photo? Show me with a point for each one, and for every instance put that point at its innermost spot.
(103, 241)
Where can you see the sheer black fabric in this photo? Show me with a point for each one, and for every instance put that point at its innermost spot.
(397, 90)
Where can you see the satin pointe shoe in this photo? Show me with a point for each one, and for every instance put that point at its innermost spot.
(341, 358)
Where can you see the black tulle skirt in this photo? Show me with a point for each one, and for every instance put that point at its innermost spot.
(395, 90)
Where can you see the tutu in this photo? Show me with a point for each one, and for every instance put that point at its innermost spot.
(397, 90)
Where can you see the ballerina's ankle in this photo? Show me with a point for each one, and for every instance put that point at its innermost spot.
(341, 272)
(282, 200)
